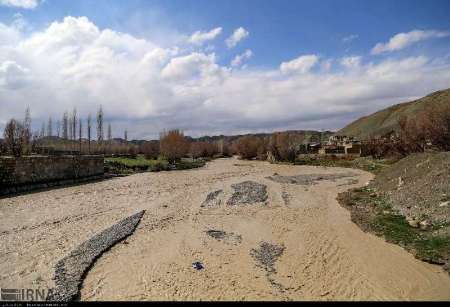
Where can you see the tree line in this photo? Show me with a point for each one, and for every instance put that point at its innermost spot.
(71, 133)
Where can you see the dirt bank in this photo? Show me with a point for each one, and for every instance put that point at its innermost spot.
(294, 242)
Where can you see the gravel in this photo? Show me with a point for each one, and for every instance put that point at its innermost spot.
(425, 185)
(71, 270)
(213, 199)
(266, 255)
(221, 235)
(248, 192)
(308, 179)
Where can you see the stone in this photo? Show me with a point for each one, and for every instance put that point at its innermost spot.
(413, 223)
(400, 182)
(424, 225)
(444, 204)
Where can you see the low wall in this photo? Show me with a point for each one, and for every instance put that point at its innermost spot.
(24, 173)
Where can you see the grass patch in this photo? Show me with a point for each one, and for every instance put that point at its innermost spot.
(364, 163)
(374, 213)
(184, 164)
(126, 166)
(394, 228)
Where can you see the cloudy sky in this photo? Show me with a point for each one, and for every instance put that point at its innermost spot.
(212, 67)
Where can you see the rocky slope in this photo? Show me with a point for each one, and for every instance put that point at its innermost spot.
(386, 120)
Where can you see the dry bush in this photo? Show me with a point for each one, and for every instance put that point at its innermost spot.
(150, 150)
(14, 136)
(226, 150)
(436, 125)
(203, 149)
(248, 147)
(432, 126)
(283, 146)
(3, 149)
(173, 145)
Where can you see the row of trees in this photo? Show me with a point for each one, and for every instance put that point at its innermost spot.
(282, 146)
(20, 140)
(173, 146)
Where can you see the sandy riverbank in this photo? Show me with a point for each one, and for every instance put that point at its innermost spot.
(297, 243)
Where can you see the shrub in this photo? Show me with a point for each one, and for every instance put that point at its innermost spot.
(283, 146)
(150, 149)
(436, 124)
(203, 149)
(247, 147)
(173, 145)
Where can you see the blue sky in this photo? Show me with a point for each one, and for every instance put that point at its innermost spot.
(321, 35)
(280, 29)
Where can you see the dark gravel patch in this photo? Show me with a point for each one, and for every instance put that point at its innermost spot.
(221, 235)
(308, 179)
(213, 199)
(266, 255)
(248, 192)
(71, 270)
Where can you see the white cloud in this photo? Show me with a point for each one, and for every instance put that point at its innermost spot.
(302, 64)
(240, 58)
(190, 66)
(146, 87)
(25, 4)
(200, 37)
(12, 75)
(238, 35)
(351, 62)
(349, 38)
(403, 40)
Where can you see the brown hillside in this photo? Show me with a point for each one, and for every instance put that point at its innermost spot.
(386, 120)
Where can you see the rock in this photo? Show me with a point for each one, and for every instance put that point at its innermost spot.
(444, 204)
(413, 223)
(213, 199)
(248, 192)
(198, 265)
(424, 225)
(400, 182)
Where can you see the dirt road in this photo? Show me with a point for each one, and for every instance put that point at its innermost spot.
(279, 238)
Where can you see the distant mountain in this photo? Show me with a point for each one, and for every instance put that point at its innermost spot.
(385, 121)
(309, 136)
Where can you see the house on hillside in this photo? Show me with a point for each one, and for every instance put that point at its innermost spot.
(341, 144)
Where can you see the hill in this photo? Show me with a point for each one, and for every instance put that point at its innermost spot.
(386, 120)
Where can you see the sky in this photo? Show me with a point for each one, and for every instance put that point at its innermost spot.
(219, 67)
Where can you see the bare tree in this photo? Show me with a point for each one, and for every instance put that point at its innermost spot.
(74, 123)
(109, 132)
(27, 131)
(58, 128)
(50, 127)
(65, 124)
(13, 135)
(42, 134)
(100, 124)
(70, 128)
(89, 127)
(80, 132)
